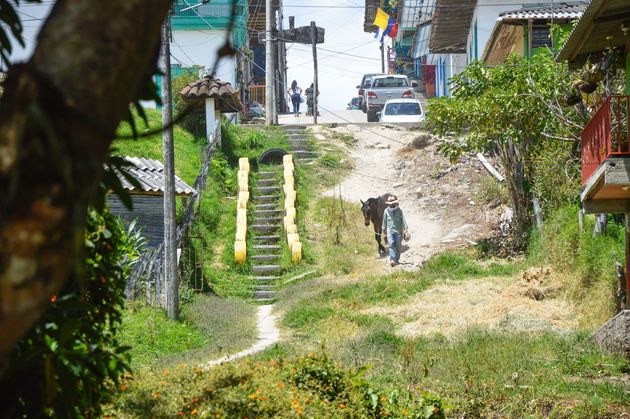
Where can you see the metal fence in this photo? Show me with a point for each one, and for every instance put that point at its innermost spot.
(147, 276)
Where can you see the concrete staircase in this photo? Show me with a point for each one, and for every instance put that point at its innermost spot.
(266, 233)
(299, 144)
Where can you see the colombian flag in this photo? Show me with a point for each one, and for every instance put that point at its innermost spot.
(382, 19)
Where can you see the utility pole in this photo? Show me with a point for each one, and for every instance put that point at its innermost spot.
(315, 84)
(170, 223)
(269, 104)
(382, 56)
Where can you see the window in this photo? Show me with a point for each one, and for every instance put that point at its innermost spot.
(540, 36)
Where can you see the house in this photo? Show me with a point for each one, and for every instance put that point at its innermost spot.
(437, 59)
(526, 31)
(148, 199)
(459, 32)
(605, 149)
(200, 32)
(602, 37)
(409, 16)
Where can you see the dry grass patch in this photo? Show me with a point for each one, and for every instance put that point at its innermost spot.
(452, 306)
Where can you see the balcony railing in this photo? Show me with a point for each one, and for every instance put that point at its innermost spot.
(606, 135)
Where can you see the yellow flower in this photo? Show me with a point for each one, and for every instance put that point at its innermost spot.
(193, 412)
(252, 396)
(342, 406)
(165, 373)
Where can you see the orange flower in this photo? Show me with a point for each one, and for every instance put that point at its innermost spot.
(165, 373)
(404, 412)
(342, 406)
(194, 401)
(163, 382)
(193, 412)
(273, 362)
(280, 385)
(123, 387)
(156, 395)
(252, 396)
(182, 365)
(180, 413)
(53, 298)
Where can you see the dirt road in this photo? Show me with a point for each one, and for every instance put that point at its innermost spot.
(378, 170)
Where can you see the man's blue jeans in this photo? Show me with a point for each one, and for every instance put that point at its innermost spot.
(393, 240)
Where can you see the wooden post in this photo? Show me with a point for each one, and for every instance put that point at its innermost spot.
(268, 65)
(537, 213)
(627, 216)
(383, 56)
(315, 83)
(170, 222)
(581, 220)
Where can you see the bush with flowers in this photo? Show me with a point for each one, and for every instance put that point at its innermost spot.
(309, 386)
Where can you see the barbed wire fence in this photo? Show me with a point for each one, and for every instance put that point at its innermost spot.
(147, 276)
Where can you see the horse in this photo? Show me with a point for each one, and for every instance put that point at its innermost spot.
(373, 210)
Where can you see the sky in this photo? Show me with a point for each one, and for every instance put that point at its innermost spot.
(343, 58)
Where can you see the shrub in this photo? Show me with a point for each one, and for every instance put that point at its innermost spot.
(62, 367)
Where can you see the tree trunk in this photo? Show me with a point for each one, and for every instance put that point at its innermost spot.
(59, 115)
(512, 159)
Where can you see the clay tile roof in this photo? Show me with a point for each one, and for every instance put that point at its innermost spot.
(209, 87)
(559, 11)
(150, 174)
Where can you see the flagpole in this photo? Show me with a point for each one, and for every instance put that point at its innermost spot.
(382, 56)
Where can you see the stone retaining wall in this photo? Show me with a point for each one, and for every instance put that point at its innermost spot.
(614, 335)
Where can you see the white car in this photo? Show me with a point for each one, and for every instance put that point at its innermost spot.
(402, 110)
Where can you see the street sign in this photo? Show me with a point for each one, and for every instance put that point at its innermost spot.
(301, 35)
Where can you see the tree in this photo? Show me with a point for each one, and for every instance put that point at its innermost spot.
(512, 109)
(59, 115)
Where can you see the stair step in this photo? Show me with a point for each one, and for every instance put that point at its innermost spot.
(306, 160)
(299, 141)
(265, 300)
(295, 148)
(307, 154)
(265, 198)
(265, 294)
(267, 174)
(266, 207)
(264, 278)
(268, 212)
(267, 190)
(265, 287)
(265, 268)
(294, 126)
(265, 228)
(266, 182)
(267, 220)
(271, 239)
(268, 247)
(264, 258)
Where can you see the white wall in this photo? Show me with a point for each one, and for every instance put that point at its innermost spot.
(199, 47)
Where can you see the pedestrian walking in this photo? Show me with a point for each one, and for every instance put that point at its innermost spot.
(295, 93)
(394, 229)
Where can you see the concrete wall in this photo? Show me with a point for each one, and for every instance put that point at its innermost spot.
(201, 48)
(614, 335)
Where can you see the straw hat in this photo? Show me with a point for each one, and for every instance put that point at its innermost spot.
(391, 200)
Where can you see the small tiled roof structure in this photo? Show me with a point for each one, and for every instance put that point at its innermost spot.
(451, 23)
(603, 24)
(150, 174)
(559, 11)
(225, 95)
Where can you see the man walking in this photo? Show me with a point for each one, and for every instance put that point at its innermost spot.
(394, 228)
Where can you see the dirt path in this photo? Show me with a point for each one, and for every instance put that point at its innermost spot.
(268, 334)
(378, 171)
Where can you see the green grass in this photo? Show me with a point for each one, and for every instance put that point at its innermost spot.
(209, 327)
(587, 262)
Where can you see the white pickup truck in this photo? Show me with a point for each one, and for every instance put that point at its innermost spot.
(383, 88)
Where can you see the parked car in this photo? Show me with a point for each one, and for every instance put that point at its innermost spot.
(366, 80)
(402, 110)
(354, 103)
(382, 89)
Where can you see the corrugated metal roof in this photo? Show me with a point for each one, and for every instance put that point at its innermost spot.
(209, 87)
(451, 24)
(559, 11)
(599, 27)
(150, 174)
